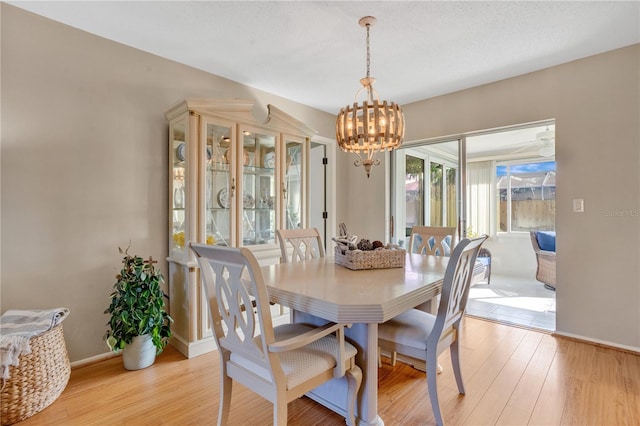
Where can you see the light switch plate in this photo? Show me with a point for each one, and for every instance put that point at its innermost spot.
(578, 205)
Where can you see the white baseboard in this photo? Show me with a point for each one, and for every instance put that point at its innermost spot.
(193, 349)
(190, 350)
(598, 341)
(94, 359)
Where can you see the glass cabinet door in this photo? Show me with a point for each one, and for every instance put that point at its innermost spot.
(178, 191)
(259, 162)
(219, 185)
(294, 183)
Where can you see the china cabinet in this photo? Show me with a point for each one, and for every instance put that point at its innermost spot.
(232, 181)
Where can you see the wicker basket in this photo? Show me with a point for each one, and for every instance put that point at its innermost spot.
(39, 379)
(371, 259)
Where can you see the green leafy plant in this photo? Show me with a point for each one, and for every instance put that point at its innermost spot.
(137, 305)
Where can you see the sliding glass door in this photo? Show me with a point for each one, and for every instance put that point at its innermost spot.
(495, 182)
(426, 182)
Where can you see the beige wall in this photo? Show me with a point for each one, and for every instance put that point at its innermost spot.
(84, 164)
(596, 104)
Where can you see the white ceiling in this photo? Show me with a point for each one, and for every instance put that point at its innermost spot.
(315, 53)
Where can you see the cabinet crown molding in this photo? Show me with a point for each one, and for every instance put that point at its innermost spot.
(236, 109)
(241, 110)
(287, 123)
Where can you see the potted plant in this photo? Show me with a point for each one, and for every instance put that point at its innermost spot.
(139, 324)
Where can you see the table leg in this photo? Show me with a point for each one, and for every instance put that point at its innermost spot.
(365, 338)
(333, 393)
(369, 399)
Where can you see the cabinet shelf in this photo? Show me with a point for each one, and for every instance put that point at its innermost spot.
(252, 209)
(218, 167)
(258, 170)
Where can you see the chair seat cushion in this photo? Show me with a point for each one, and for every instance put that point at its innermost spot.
(410, 328)
(301, 364)
(479, 268)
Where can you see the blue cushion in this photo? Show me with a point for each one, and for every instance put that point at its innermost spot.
(546, 240)
(486, 261)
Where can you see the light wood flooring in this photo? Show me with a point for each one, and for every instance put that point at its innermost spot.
(513, 376)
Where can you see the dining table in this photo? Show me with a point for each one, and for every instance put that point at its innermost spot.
(318, 291)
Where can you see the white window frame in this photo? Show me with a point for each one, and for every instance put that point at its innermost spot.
(496, 205)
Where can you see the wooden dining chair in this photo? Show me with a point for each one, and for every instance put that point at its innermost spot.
(434, 240)
(297, 245)
(279, 363)
(423, 336)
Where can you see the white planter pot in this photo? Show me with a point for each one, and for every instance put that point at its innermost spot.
(140, 353)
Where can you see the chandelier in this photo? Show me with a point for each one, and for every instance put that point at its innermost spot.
(372, 126)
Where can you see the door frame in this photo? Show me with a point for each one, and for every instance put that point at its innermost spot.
(398, 172)
(330, 186)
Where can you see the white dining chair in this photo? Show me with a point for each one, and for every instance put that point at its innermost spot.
(427, 240)
(434, 240)
(423, 336)
(279, 363)
(297, 245)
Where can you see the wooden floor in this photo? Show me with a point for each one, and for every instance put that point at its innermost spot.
(513, 376)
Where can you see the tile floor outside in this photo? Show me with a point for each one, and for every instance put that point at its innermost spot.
(514, 300)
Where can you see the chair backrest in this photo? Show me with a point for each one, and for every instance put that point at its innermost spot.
(230, 277)
(305, 243)
(455, 288)
(435, 240)
(534, 241)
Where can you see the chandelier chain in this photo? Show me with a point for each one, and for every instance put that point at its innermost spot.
(368, 52)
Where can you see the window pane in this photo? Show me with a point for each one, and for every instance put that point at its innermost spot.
(437, 189)
(414, 188)
(529, 192)
(452, 212)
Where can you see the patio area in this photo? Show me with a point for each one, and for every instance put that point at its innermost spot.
(514, 300)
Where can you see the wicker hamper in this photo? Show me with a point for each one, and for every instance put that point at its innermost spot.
(39, 379)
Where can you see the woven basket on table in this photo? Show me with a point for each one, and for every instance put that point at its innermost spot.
(370, 259)
(39, 379)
